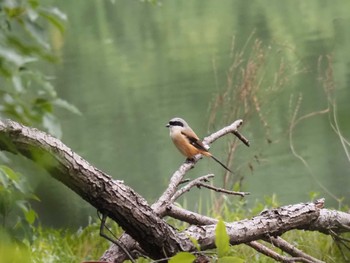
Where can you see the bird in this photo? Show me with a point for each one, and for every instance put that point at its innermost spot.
(187, 142)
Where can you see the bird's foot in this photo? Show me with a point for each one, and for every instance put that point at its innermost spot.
(189, 160)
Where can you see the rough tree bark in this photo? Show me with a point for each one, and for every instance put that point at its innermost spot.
(111, 197)
(145, 230)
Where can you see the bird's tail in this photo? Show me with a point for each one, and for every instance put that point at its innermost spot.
(212, 156)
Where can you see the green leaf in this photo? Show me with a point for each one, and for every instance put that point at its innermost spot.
(221, 239)
(182, 257)
(23, 205)
(15, 58)
(66, 105)
(195, 243)
(43, 105)
(37, 33)
(55, 17)
(11, 174)
(34, 197)
(17, 83)
(30, 216)
(230, 260)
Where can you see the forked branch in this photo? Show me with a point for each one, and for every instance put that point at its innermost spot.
(145, 228)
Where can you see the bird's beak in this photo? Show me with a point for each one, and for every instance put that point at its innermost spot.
(168, 125)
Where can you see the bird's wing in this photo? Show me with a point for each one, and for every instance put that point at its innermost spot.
(194, 140)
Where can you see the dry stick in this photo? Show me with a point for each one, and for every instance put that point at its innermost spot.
(272, 254)
(115, 241)
(340, 241)
(198, 182)
(191, 184)
(188, 216)
(233, 128)
(221, 190)
(241, 138)
(290, 249)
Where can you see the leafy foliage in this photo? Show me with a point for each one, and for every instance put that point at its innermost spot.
(26, 94)
(16, 213)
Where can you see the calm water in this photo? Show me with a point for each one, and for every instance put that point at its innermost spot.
(130, 67)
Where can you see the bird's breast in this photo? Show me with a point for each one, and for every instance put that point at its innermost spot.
(184, 146)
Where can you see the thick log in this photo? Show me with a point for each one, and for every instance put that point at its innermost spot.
(130, 210)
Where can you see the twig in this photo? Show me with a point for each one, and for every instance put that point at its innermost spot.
(221, 190)
(226, 130)
(338, 244)
(114, 241)
(185, 181)
(292, 126)
(160, 206)
(291, 250)
(191, 184)
(345, 143)
(273, 254)
(189, 216)
(241, 137)
(340, 241)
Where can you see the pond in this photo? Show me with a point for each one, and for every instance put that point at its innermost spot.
(130, 66)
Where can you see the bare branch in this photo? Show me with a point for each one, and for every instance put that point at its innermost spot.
(241, 138)
(334, 220)
(114, 241)
(188, 216)
(221, 190)
(197, 219)
(272, 222)
(193, 183)
(272, 254)
(290, 249)
(220, 133)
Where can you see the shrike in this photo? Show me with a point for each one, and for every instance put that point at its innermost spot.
(187, 142)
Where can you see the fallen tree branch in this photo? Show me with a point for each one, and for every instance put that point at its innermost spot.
(111, 197)
(272, 222)
(147, 232)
